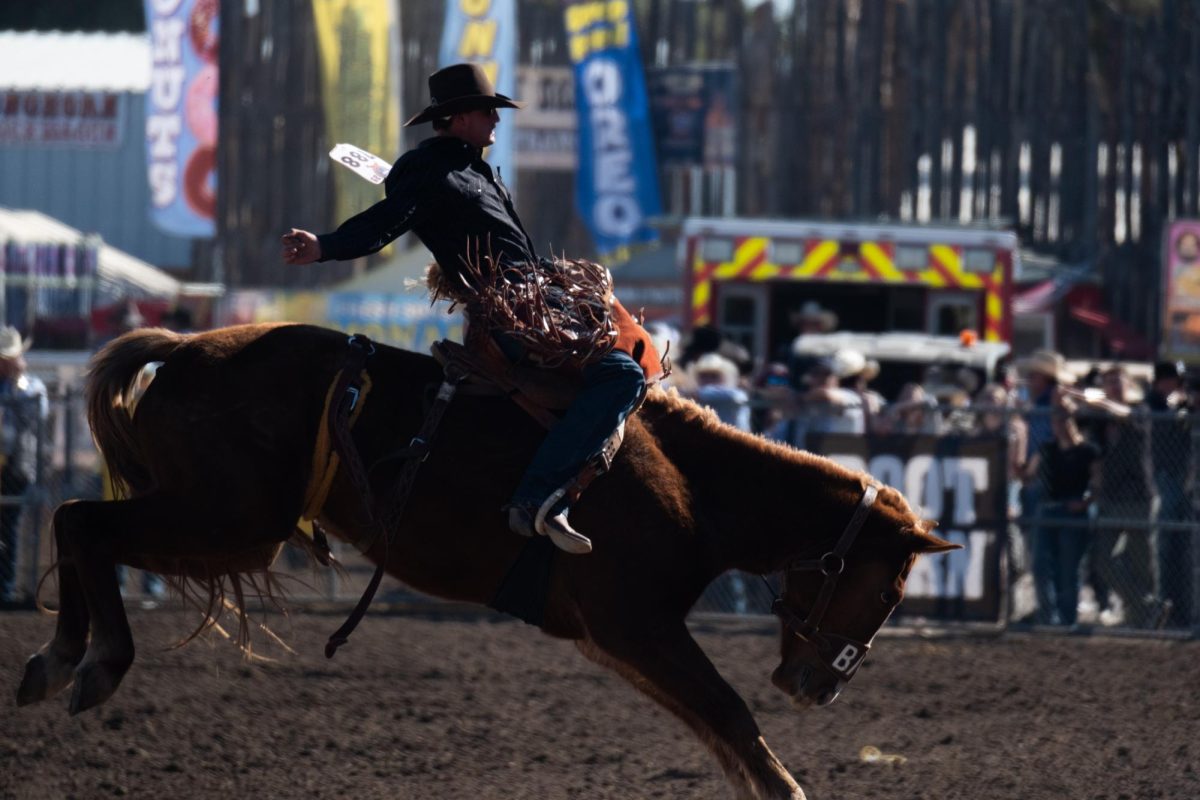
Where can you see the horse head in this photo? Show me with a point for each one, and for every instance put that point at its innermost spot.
(832, 607)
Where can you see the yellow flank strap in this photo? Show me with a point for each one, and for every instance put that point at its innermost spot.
(325, 460)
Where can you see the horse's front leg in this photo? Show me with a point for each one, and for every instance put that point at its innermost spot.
(671, 668)
(51, 669)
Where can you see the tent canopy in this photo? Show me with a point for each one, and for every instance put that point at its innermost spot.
(119, 273)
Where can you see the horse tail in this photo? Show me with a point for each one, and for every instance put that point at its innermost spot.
(113, 370)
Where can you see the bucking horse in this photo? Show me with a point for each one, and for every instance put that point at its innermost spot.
(219, 455)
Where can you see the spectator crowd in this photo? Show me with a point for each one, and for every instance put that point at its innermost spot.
(1099, 466)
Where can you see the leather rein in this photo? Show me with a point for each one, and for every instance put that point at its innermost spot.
(840, 654)
(346, 394)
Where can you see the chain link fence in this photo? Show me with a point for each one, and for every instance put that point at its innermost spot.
(1099, 528)
(1104, 533)
(1105, 529)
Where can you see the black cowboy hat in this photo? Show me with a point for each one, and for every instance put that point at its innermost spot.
(461, 87)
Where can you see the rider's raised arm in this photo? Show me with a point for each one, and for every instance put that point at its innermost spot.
(373, 229)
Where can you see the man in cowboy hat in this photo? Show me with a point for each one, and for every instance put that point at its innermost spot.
(1045, 371)
(457, 205)
(23, 403)
(813, 318)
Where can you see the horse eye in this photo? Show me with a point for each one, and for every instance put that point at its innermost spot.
(888, 598)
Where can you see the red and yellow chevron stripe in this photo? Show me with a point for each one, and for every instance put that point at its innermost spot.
(870, 262)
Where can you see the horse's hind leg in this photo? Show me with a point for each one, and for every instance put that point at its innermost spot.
(671, 669)
(52, 668)
(95, 536)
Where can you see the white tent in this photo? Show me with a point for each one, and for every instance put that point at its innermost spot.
(119, 274)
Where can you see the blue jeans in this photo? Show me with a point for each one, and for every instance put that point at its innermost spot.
(611, 387)
(1175, 547)
(1057, 553)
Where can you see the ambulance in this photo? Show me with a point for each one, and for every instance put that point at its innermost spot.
(749, 277)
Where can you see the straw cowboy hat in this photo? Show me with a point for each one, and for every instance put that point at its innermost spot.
(714, 364)
(458, 88)
(11, 343)
(1050, 364)
(870, 370)
(844, 363)
(812, 311)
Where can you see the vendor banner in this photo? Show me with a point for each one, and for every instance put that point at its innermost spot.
(959, 482)
(484, 32)
(617, 181)
(181, 115)
(358, 47)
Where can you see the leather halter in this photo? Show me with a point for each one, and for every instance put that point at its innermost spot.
(840, 654)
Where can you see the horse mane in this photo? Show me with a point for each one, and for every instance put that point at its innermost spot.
(705, 429)
(693, 436)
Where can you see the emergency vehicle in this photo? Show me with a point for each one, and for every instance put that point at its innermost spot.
(748, 276)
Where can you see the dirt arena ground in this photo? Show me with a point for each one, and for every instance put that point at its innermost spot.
(485, 707)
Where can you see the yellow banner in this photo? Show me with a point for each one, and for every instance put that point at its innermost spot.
(356, 45)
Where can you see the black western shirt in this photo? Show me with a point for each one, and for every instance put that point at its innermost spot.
(451, 198)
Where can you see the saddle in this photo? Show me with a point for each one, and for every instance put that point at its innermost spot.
(542, 393)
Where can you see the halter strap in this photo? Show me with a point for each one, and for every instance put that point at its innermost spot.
(831, 565)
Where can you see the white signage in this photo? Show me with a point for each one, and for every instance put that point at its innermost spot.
(547, 127)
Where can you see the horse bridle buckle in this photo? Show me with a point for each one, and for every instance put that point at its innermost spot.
(832, 564)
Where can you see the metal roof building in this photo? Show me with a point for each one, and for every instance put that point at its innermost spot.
(72, 143)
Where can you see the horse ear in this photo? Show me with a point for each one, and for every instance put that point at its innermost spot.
(925, 542)
(932, 544)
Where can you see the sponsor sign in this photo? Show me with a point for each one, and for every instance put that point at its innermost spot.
(1181, 291)
(617, 180)
(181, 115)
(547, 128)
(87, 120)
(484, 32)
(356, 47)
(693, 112)
(395, 319)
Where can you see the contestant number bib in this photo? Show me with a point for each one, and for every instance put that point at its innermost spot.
(366, 165)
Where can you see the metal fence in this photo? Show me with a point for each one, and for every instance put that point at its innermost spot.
(1124, 558)
(1117, 549)
(1130, 546)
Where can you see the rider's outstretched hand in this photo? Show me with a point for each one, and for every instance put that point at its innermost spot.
(300, 247)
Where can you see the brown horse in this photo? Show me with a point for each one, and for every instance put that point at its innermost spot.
(217, 454)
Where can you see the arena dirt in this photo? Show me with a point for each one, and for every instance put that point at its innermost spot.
(484, 707)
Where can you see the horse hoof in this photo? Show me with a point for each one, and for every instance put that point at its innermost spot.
(35, 685)
(95, 682)
(45, 676)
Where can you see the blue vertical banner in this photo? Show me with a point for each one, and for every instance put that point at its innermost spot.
(181, 115)
(484, 32)
(617, 182)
